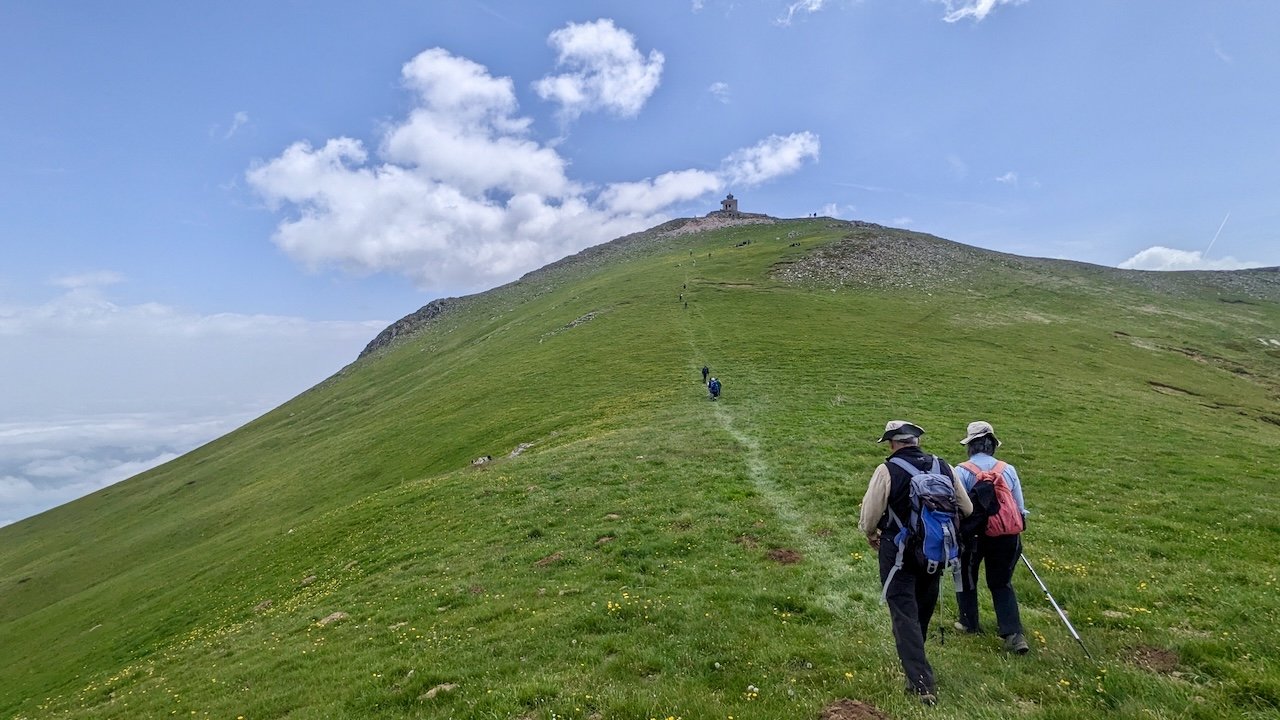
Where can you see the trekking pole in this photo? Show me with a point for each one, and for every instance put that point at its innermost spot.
(1055, 605)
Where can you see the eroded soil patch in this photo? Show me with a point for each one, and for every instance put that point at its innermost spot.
(784, 556)
(845, 709)
(1156, 659)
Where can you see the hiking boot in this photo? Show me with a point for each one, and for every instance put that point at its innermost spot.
(1015, 643)
(927, 697)
(961, 627)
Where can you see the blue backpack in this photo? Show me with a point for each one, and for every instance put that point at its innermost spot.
(933, 530)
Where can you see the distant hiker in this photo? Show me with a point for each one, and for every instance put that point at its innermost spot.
(713, 388)
(897, 507)
(681, 297)
(993, 534)
(705, 371)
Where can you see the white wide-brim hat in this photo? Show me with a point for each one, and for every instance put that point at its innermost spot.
(977, 429)
(899, 429)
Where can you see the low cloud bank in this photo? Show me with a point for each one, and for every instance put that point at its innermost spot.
(157, 382)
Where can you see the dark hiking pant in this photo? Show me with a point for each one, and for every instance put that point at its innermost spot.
(1001, 555)
(912, 596)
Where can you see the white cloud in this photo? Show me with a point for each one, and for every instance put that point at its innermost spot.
(606, 70)
(836, 210)
(237, 121)
(458, 196)
(806, 6)
(1009, 178)
(698, 5)
(959, 168)
(158, 382)
(88, 280)
(975, 9)
(1163, 258)
(647, 197)
(902, 221)
(720, 91)
(772, 157)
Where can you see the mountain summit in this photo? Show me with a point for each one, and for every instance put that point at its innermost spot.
(521, 503)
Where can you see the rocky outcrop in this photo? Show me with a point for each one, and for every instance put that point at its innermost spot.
(409, 324)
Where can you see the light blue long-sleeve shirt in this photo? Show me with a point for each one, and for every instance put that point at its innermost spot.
(986, 462)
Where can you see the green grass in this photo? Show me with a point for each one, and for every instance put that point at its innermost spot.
(619, 567)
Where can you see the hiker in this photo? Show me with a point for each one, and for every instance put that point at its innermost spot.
(705, 371)
(993, 534)
(910, 588)
(713, 388)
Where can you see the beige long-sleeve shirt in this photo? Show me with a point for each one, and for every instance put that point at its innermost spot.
(876, 500)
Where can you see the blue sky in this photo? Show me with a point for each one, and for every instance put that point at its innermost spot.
(205, 209)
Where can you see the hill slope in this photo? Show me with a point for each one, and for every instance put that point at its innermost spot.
(652, 554)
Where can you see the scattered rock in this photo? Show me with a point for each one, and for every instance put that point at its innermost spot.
(482, 460)
(1156, 659)
(605, 540)
(784, 556)
(613, 516)
(398, 625)
(442, 688)
(845, 709)
(308, 580)
(349, 565)
(519, 449)
(332, 618)
(551, 559)
(262, 606)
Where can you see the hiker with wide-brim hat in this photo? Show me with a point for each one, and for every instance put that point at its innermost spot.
(910, 591)
(994, 538)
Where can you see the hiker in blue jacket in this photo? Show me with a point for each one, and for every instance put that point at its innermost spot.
(910, 592)
(999, 547)
(713, 388)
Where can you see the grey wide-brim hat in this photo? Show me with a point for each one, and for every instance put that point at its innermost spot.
(977, 429)
(899, 430)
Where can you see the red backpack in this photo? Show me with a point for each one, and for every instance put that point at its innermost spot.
(1008, 521)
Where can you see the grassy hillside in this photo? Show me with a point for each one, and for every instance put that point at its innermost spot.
(654, 554)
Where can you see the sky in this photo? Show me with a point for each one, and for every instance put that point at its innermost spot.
(207, 208)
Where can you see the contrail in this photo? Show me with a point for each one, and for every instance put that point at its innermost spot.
(1205, 254)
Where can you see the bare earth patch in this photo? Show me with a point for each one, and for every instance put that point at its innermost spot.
(784, 556)
(749, 542)
(1155, 659)
(846, 709)
(551, 559)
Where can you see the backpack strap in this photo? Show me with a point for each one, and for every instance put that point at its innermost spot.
(999, 467)
(971, 467)
(913, 469)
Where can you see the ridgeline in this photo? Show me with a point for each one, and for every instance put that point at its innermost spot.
(521, 504)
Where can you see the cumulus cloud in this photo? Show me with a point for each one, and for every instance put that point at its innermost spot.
(159, 382)
(902, 221)
(88, 280)
(649, 196)
(772, 157)
(459, 196)
(720, 91)
(977, 10)
(802, 6)
(1009, 178)
(836, 210)
(606, 70)
(1163, 258)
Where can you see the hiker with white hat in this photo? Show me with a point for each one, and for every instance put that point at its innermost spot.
(992, 534)
(910, 583)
